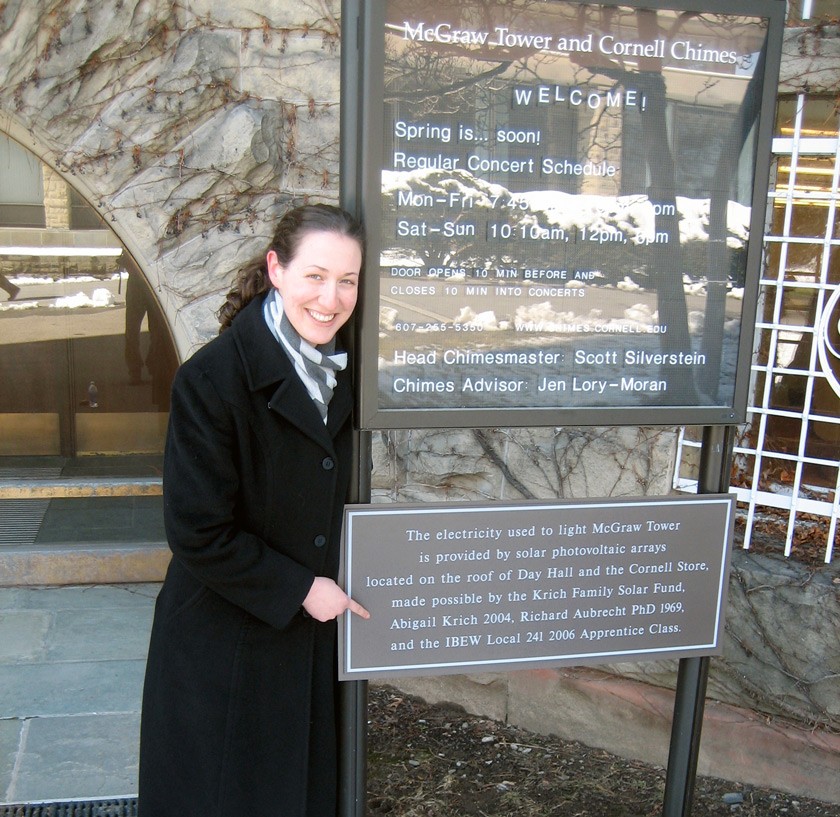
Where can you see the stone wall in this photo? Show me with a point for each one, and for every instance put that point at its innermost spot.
(188, 126)
(522, 463)
(781, 651)
(811, 59)
(56, 200)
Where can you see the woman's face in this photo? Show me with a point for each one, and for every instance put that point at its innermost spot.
(319, 285)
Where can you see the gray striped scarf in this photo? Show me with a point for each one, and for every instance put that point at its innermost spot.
(315, 365)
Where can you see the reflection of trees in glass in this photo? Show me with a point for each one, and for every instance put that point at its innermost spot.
(440, 80)
(445, 84)
(427, 188)
(666, 265)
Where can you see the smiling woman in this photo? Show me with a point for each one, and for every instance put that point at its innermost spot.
(241, 676)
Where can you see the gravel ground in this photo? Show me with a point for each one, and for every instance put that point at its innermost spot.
(438, 761)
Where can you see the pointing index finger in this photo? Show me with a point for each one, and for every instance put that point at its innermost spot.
(354, 607)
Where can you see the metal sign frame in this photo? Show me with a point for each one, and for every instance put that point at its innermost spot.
(367, 142)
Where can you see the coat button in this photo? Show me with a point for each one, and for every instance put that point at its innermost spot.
(319, 541)
(328, 463)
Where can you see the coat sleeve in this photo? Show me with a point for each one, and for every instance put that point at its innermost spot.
(200, 485)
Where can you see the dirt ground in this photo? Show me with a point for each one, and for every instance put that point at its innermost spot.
(438, 761)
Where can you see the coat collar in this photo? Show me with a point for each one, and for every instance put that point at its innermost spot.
(266, 364)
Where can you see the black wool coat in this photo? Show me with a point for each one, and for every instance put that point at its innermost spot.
(239, 703)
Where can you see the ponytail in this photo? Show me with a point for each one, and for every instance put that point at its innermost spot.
(251, 282)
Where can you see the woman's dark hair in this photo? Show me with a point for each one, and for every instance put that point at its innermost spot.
(252, 280)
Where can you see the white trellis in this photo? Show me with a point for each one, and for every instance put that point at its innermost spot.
(796, 471)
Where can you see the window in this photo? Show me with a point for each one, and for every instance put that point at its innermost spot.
(86, 361)
(787, 473)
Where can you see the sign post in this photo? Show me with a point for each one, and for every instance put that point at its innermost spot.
(689, 702)
(352, 773)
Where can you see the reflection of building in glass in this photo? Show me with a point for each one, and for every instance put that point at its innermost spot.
(580, 99)
(64, 324)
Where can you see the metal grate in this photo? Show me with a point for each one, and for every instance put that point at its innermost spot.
(38, 472)
(126, 807)
(20, 521)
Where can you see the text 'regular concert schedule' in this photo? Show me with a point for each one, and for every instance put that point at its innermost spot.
(507, 587)
(565, 204)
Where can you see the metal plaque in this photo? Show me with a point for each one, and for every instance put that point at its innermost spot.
(473, 588)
